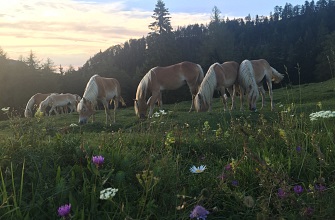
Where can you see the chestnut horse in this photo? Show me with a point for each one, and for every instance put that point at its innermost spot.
(247, 84)
(263, 70)
(166, 78)
(56, 101)
(220, 77)
(33, 104)
(100, 89)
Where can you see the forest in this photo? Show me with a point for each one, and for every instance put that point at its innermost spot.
(299, 41)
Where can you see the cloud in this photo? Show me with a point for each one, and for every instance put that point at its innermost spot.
(66, 27)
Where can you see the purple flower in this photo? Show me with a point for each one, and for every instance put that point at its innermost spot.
(281, 193)
(227, 167)
(298, 189)
(199, 212)
(308, 211)
(234, 183)
(64, 210)
(98, 160)
(298, 149)
(320, 187)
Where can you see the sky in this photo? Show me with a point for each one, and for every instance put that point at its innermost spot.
(69, 32)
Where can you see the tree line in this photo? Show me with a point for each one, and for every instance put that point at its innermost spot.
(298, 41)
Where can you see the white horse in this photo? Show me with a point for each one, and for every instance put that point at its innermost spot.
(220, 77)
(263, 70)
(100, 89)
(59, 101)
(247, 84)
(33, 104)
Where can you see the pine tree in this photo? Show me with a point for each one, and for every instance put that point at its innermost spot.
(162, 21)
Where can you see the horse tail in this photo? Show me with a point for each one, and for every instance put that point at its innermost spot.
(122, 101)
(276, 76)
(201, 75)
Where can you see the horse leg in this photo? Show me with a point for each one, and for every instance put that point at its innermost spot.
(262, 91)
(151, 102)
(232, 91)
(269, 83)
(194, 91)
(241, 97)
(223, 97)
(107, 112)
(116, 105)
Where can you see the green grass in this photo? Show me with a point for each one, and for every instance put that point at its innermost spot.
(46, 163)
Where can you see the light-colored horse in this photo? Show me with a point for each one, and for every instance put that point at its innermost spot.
(59, 101)
(100, 89)
(33, 104)
(263, 71)
(247, 84)
(166, 78)
(220, 77)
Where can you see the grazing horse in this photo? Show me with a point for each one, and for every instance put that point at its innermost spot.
(263, 71)
(220, 77)
(59, 101)
(100, 89)
(247, 84)
(33, 104)
(166, 78)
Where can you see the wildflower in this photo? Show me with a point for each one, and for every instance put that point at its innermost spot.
(108, 193)
(298, 149)
(227, 167)
(199, 212)
(298, 189)
(319, 187)
(98, 160)
(5, 109)
(321, 114)
(73, 125)
(308, 211)
(281, 193)
(200, 169)
(234, 183)
(64, 210)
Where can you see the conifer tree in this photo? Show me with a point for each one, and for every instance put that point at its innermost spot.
(162, 21)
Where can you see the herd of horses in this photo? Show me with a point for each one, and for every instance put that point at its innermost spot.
(246, 79)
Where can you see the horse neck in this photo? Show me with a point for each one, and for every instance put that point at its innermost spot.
(30, 103)
(276, 76)
(143, 86)
(208, 84)
(91, 91)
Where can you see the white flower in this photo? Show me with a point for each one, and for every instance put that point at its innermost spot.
(73, 125)
(5, 109)
(321, 114)
(108, 193)
(200, 169)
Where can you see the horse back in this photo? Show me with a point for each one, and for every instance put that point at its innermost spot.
(261, 69)
(108, 88)
(227, 72)
(174, 76)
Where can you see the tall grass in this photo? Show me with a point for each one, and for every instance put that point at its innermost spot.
(256, 162)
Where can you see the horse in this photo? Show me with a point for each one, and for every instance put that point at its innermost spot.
(171, 77)
(33, 103)
(100, 89)
(59, 101)
(219, 76)
(263, 71)
(247, 84)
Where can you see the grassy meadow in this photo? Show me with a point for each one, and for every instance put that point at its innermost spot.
(259, 165)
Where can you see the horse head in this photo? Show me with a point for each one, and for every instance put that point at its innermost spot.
(85, 109)
(141, 108)
(253, 96)
(199, 103)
